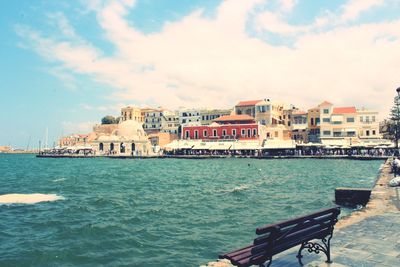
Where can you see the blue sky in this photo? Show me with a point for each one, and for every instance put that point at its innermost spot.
(66, 64)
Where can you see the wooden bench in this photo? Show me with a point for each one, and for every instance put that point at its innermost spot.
(275, 238)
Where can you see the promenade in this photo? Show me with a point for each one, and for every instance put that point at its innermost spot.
(370, 237)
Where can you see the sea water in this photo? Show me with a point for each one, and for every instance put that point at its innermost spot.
(155, 212)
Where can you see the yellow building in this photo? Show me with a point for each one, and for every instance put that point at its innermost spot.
(132, 113)
(368, 125)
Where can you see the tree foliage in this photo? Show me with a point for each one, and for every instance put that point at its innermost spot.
(393, 125)
(108, 120)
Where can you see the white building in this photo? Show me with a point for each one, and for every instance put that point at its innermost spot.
(189, 117)
(161, 120)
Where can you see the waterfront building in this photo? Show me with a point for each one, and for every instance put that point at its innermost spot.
(247, 108)
(368, 125)
(313, 124)
(189, 117)
(170, 122)
(132, 113)
(299, 126)
(160, 139)
(278, 132)
(347, 126)
(229, 127)
(127, 138)
(264, 111)
(207, 116)
(160, 120)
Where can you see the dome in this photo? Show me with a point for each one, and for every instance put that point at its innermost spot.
(129, 129)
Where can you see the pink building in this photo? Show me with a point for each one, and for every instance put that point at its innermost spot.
(229, 127)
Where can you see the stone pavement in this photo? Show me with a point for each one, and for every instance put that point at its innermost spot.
(370, 237)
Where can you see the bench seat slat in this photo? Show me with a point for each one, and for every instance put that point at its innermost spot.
(285, 223)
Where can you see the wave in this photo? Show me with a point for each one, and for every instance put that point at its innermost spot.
(58, 180)
(28, 198)
(235, 189)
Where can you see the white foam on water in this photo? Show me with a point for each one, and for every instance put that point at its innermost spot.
(235, 189)
(59, 180)
(28, 198)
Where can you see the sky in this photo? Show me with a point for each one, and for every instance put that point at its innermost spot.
(66, 64)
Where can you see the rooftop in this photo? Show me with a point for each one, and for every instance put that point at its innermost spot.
(325, 103)
(344, 110)
(248, 103)
(234, 118)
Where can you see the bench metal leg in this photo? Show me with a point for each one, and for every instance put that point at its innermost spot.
(316, 248)
(267, 263)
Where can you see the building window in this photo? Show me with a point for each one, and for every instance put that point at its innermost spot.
(326, 120)
(367, 132)
(326, 111)
(350, 119)
(276, 134)
(361, 119)
(205, 133)
(351, 134)
(224, 132)
(248, 132)
(255, 132)
(317, 121)
(373, 118)
(326, 132)
(196, 134)
(312, 121)
(243, 132)
(214, 132)
(367, 119)
(373, 132)
(187, 134)
(337, 134)
(234, 132)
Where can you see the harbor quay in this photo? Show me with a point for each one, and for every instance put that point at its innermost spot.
(367, 237)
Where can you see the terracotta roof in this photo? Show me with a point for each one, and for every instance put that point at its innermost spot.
(235, 118)
(247, 103)
(344, 110)
(325, 103)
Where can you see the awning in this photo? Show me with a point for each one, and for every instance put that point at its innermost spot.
(243, 145)
(221, 145)
(180, 144)
(279, 144)
(201, 146)
(338, 142)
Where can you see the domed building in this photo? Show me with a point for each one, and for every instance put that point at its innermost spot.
(126, 138)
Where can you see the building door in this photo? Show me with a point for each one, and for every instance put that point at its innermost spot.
(101, 147)
(133, 147)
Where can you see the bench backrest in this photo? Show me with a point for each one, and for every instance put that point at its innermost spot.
(278, 237)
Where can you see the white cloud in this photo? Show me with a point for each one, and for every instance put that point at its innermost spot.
(353, 8)
(200, 61)
(288, 5)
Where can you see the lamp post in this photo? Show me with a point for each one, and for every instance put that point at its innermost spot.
(398, 117)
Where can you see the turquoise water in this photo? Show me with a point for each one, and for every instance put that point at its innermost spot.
(157, 212)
